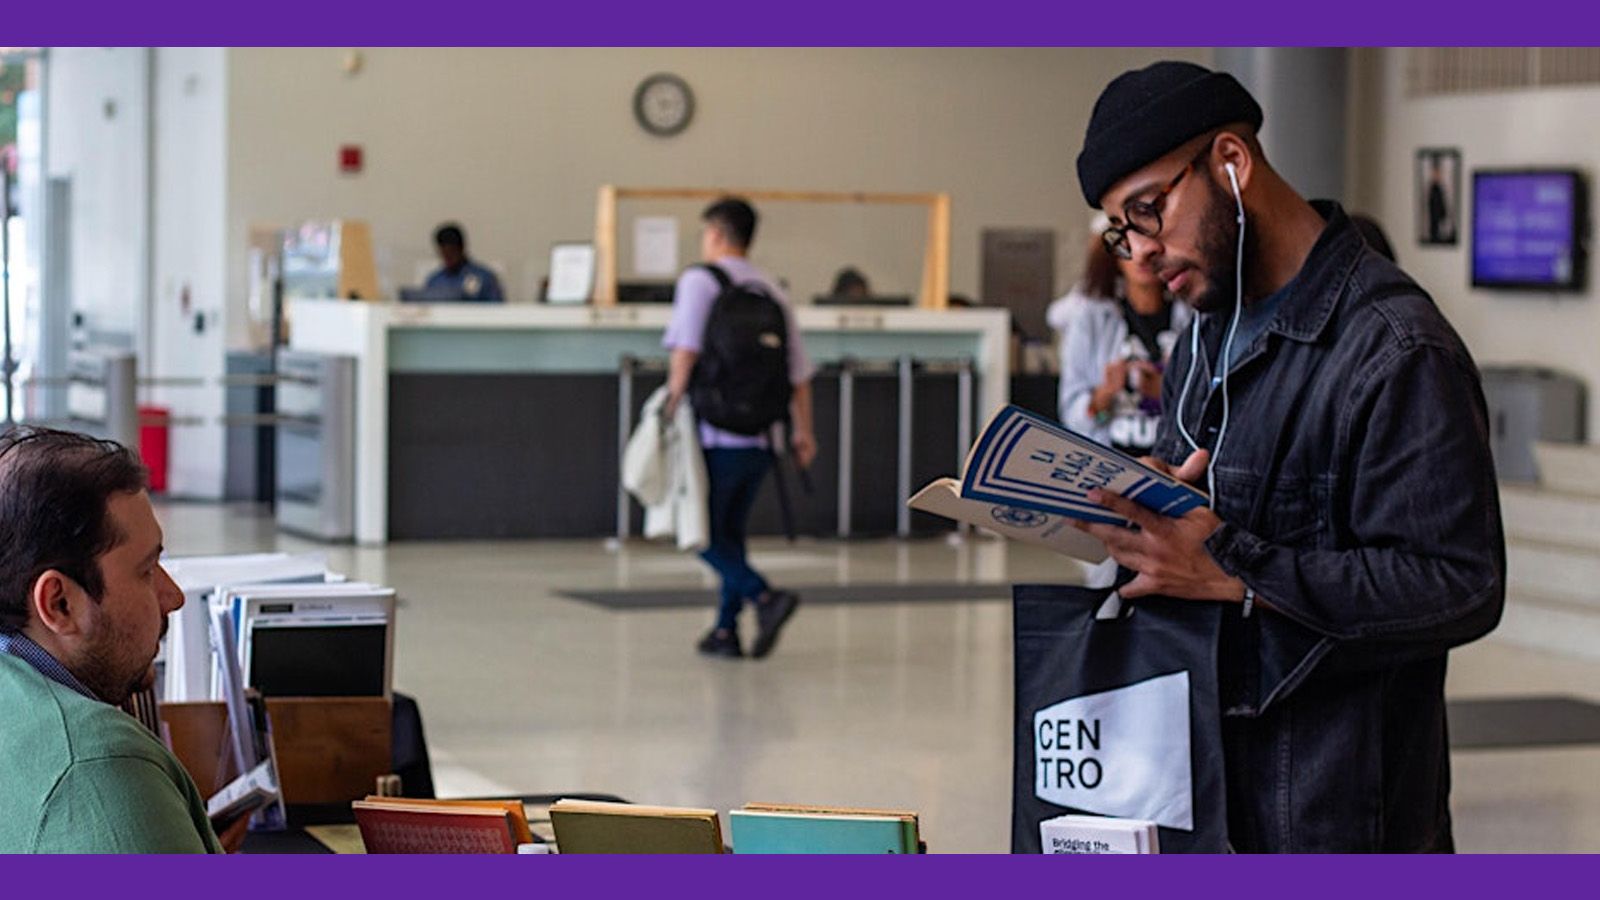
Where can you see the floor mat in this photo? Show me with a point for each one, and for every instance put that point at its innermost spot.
(816, 595)
(1507, 723)
(1495, 723)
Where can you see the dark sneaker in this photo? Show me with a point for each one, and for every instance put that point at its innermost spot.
(772, 612)
(719, 642)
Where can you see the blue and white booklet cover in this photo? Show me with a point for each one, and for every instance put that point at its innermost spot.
(1029, 478)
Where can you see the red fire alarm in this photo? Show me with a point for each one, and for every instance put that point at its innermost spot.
(350, 159)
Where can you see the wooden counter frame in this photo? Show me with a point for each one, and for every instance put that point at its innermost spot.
(935, 292)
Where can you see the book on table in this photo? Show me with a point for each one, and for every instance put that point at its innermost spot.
(1097, 835)
(1029, 479)
(776, 828)
(244, 796)
(587, 826)
(407, 825)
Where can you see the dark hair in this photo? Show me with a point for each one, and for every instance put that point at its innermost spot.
(735, 218)
(849, 280)
(53, 491)
(449, 235)
(1372, 233)
(1100, 272)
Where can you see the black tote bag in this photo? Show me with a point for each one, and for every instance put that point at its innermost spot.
(1101, 705)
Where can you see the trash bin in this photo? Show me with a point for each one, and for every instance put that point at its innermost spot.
(154, 434)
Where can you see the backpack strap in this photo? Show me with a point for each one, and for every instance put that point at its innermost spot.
(723, 281)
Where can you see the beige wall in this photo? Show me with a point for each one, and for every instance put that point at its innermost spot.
(513, 144)
(97, 136)
(1538, 127)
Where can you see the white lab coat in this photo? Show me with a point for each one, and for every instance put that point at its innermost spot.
(664, 470)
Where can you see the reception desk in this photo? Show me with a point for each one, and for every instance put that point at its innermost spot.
(485, 421)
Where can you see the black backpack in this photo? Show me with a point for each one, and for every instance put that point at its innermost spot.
(741, 378)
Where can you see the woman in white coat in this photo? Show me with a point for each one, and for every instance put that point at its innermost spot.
(1118, 329)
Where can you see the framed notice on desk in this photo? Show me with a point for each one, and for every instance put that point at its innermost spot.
(571, 273)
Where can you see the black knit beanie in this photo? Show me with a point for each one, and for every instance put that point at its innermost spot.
(1144, 114)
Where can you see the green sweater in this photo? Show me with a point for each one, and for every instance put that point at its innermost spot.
(81, 776)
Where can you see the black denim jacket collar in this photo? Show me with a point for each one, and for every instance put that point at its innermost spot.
(1331, 264)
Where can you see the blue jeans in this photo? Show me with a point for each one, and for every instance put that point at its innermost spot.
(735, 475)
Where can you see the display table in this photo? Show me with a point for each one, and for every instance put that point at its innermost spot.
(457, 405)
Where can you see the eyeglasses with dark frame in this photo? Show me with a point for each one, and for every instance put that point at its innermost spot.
(1144, 216)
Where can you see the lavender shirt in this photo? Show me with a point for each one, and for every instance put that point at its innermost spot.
(696, 293)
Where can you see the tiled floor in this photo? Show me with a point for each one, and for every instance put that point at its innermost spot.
(900, 705)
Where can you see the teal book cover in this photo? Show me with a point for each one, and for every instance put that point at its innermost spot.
(772, 832)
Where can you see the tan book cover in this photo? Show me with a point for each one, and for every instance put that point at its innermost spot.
(942, 497)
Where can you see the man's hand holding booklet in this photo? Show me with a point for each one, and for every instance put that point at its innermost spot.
(1030, 479)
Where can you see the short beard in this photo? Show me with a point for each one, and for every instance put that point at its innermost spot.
(107, 674)
(108, 685)
(1219, 247)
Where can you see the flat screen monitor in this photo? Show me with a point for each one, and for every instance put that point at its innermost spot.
(645, 291)
(431, 295)
(1528, 229)
(860, 300)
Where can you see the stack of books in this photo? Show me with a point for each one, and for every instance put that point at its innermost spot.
(404, 825)
(1097, 835)
(399, 825)
(786, 828)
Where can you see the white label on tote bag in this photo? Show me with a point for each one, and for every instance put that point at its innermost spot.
(1123, 752)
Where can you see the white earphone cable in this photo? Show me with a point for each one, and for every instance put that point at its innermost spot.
(1227, 344)
(1227, 353)
(1183, 396)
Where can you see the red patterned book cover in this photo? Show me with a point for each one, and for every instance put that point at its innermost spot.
(387, 828)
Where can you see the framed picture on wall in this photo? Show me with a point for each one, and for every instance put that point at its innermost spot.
(1438, 196)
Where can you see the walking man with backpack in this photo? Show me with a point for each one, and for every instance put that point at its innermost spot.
(739, 359)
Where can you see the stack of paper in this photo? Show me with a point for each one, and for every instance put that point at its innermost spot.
(188, 670)
(1097, 835)
(331, 639)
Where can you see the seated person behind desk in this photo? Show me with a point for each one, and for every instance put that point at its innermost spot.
(850, 283)
(458, 277)
(850, 288)
(83, 604)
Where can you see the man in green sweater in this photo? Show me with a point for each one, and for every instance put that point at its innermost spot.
(83, 605)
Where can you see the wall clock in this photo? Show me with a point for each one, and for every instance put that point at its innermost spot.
(663, 104)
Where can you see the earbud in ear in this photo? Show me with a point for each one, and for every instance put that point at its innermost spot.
(1233, 179)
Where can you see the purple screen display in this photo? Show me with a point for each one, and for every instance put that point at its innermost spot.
(1522, 228)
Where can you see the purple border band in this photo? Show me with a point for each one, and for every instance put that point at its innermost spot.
(807, 23)
(806, 878)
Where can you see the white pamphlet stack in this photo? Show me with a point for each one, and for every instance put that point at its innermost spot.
(1097, 835)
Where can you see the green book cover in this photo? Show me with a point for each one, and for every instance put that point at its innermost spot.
(619, 828)
(776, 832)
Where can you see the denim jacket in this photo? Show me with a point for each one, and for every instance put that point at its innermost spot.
(1359, 501)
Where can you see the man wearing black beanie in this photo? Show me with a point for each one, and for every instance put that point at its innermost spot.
(1340, 426)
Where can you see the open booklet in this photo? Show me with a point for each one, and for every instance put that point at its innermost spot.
(1029, 479)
